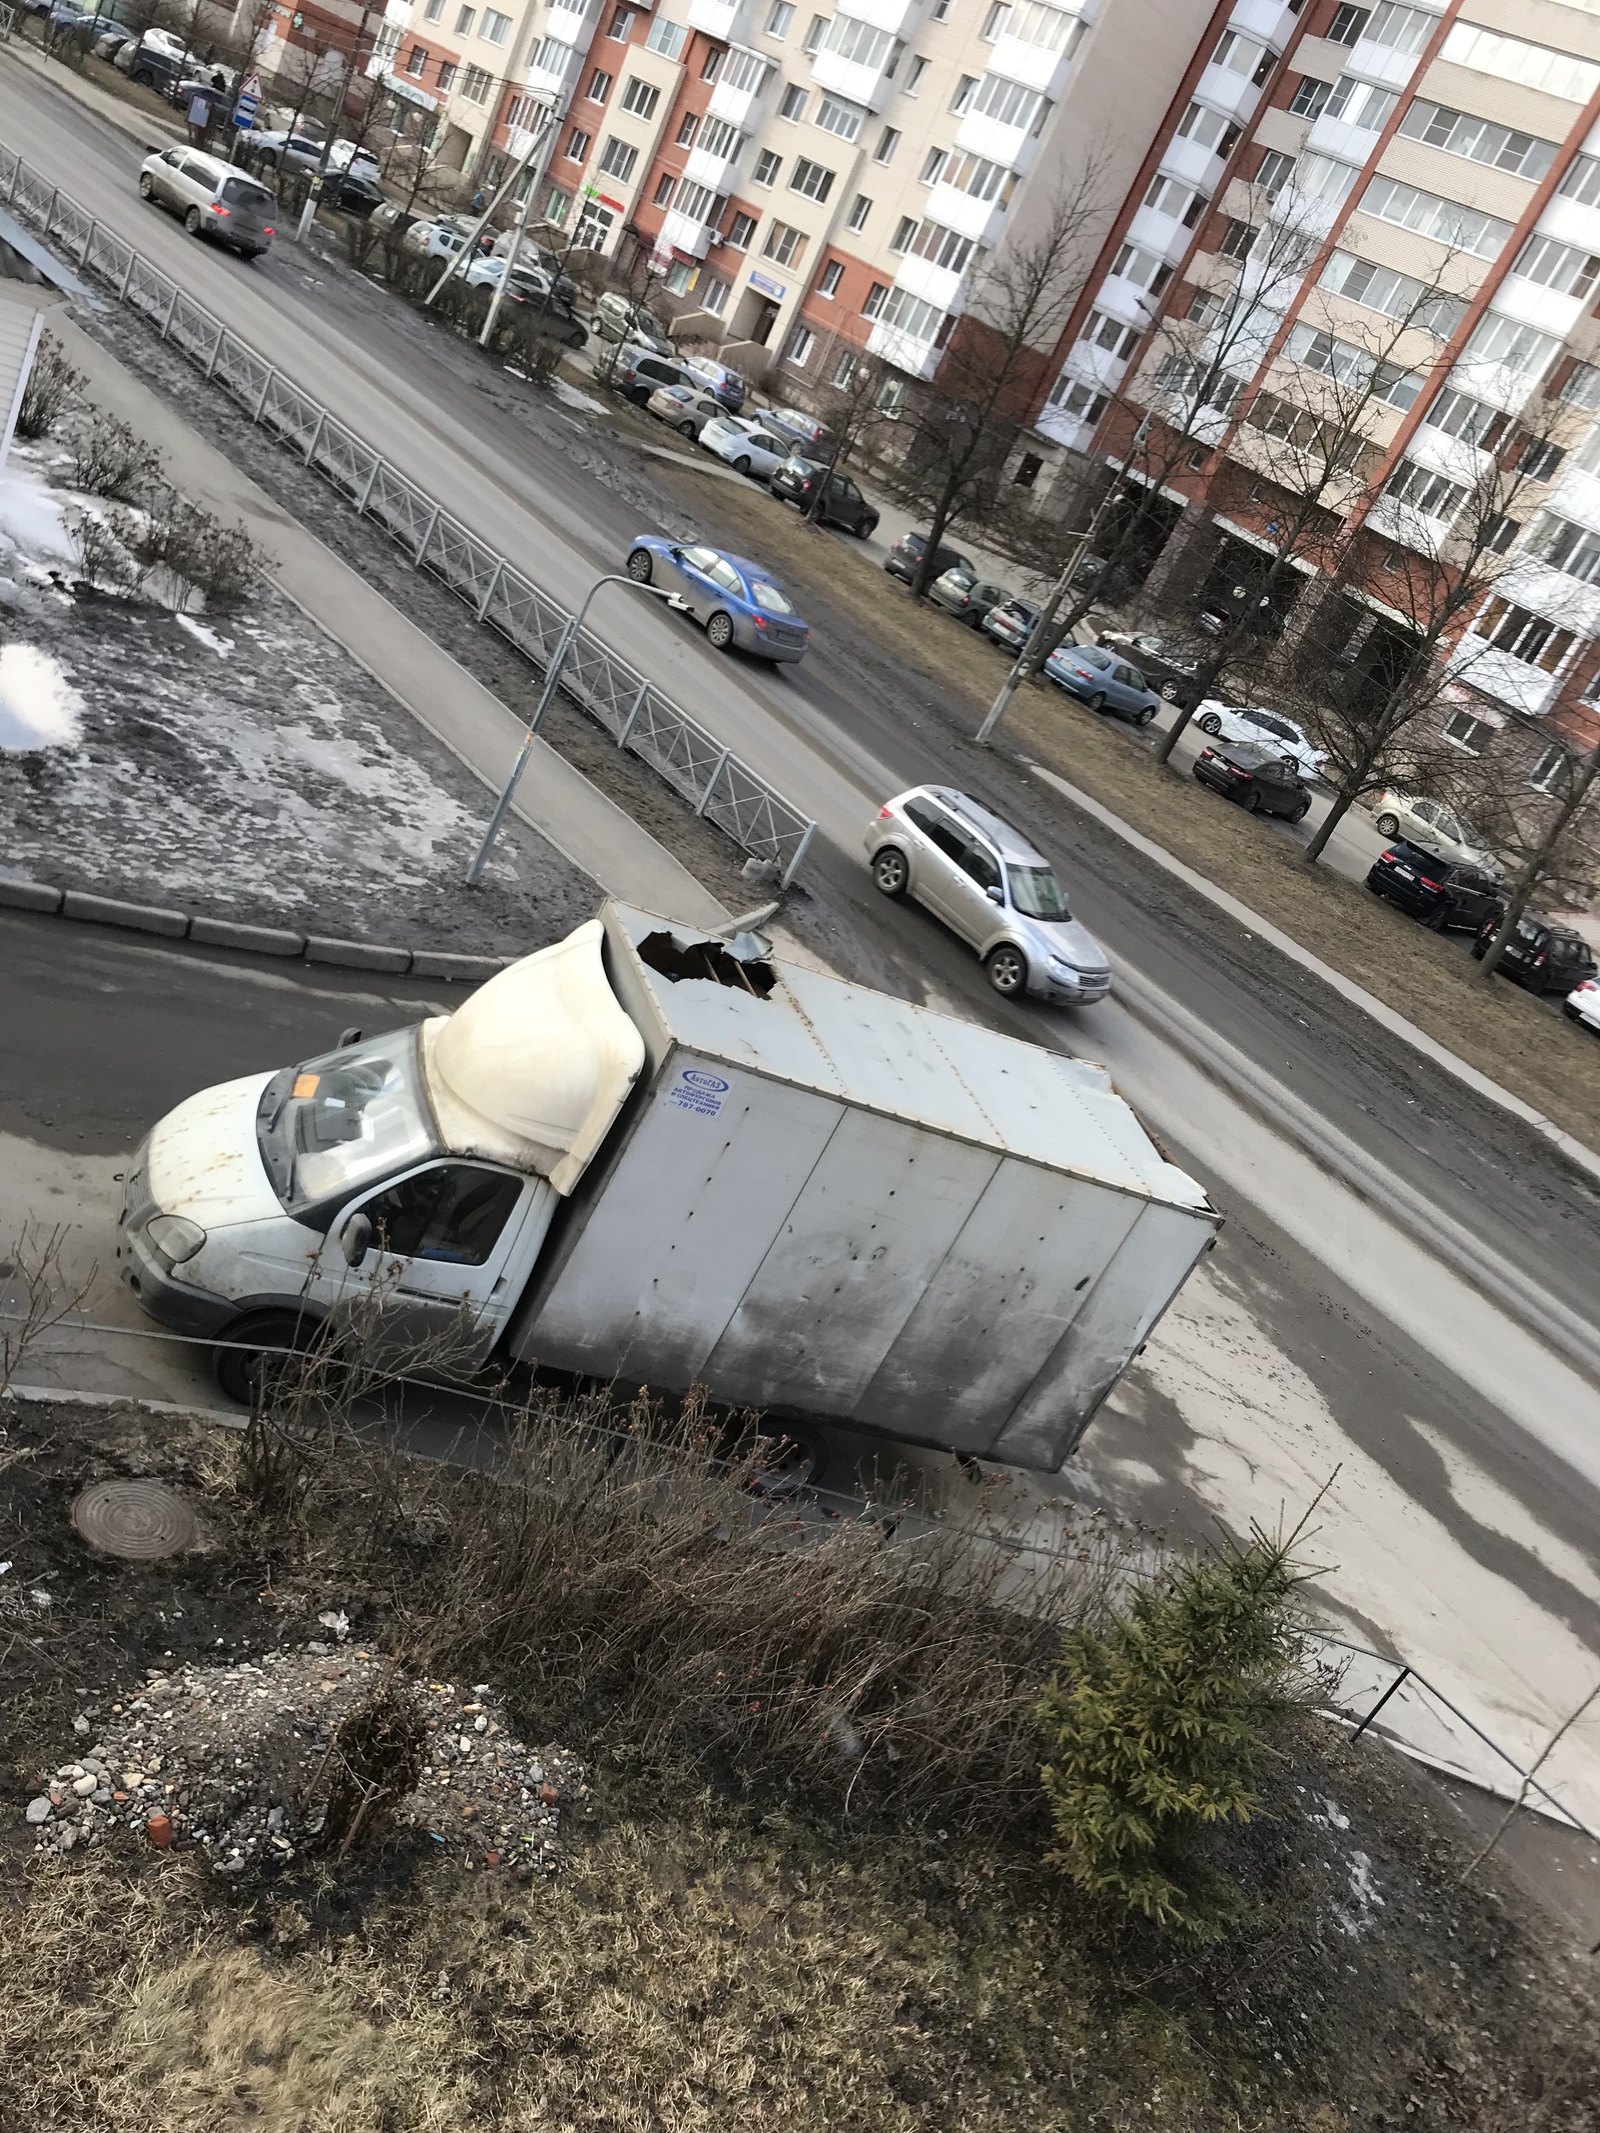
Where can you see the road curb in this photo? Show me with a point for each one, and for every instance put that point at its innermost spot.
(91, 908)
(1576, 1151)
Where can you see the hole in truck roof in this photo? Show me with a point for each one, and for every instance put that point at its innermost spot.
(713, 960)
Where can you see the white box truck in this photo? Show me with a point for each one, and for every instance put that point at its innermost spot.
(645, 1156)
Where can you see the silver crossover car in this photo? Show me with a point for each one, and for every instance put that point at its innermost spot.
(990, 886)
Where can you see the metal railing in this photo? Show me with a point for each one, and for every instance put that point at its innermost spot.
(637, 715)
(8, 23)
(1390, 1697)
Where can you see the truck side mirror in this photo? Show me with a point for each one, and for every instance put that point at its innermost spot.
(355, 1238)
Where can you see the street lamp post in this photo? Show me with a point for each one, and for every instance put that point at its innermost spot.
(1032, 653)
(552, 679)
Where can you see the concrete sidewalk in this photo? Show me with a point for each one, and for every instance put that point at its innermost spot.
(478, 729)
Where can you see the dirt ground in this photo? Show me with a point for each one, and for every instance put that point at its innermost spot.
(699, 1962)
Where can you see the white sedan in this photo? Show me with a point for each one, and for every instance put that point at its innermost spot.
(745, 445)
(1582, 1004)
(1267, 729)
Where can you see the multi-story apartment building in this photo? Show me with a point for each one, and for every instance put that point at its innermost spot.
(1428, 151)
(812, 184)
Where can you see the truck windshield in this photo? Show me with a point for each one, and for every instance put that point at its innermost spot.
(348, 1119)
(1036, 893)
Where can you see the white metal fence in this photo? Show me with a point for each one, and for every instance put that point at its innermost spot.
(638, 715)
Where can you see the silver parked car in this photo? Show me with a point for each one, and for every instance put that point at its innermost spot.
(684, 408)
(1430, 823)
(214, 199)
(746, 446)
(991, 887)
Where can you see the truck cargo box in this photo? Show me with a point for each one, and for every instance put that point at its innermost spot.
(819, 1200)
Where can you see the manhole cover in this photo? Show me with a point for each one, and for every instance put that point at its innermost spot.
(138, 1519)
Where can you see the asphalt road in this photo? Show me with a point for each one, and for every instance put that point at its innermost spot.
(1320, 1335)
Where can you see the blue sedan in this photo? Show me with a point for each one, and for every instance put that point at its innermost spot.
(737, 600)
(1103, 681)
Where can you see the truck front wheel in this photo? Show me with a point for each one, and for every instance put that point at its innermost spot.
(253, 1345)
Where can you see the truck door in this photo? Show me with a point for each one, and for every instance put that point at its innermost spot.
(447, 1251)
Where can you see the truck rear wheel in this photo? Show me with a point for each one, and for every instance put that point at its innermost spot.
(253, 1346)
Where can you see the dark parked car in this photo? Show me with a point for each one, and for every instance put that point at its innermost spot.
(1254, 777)
(795, 482)
(908, 551)
(351, 196)
(1011, 624)
(1168, 667)
(1541, 955)
(1444, 893)
(965, 595)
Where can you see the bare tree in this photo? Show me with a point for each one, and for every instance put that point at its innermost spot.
(1116, 517)
(36, 1295)
(1382, 726)
(1297, 457)
(960, 430)
(850, 404)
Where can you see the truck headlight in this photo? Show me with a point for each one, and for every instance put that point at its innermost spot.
(175, 1237)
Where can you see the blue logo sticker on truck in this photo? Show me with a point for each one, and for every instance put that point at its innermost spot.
(697, 1091)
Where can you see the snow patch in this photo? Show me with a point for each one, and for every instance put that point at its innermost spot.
(33, 522)
(570, 396)
(39, 707)
(222, 646)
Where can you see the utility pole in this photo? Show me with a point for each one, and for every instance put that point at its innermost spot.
(313, 198)
(463, 259)
(530, 185)
(1033, 653)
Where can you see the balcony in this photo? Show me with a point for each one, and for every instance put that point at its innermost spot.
(684, 233)
(1226, 91)
(1161, 234)
(981, 220)
(1269, 20)
(936, 285)
(895, 16)
(919, 359)
(848, 78)
(1571, 222)
(1032, 65)
(1577, 496)
(1509, 681)
(1381, 62)
(1346, 144)
(736, 98)
(571, 25)
(1193, 162)
(557, 80)
(1125, 300)
(1010, 146)
(700, 168)
(723, 19)
(1534, 305)
(1530, 582)
(1062, 428)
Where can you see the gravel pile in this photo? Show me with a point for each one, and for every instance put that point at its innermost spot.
(233, 1759)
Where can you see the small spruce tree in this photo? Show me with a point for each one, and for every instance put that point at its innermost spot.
(1160, 1724)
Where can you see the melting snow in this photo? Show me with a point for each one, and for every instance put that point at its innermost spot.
(571, 397)
(222, 646)
(32, 519)
(39, 707)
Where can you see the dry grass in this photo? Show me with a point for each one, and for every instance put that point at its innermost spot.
(1495, 1027)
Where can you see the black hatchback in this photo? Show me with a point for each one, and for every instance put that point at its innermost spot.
(1541, 955)
(1445, 895)
(1255, 777)
(843, 504)
(907, 552)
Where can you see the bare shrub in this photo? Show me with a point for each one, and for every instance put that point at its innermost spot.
(526, 341)
(374, 1761)
(194, 546)
(103, 550)
(108, 459)
(638, 1590)
(53, 386)
(36, 1293)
